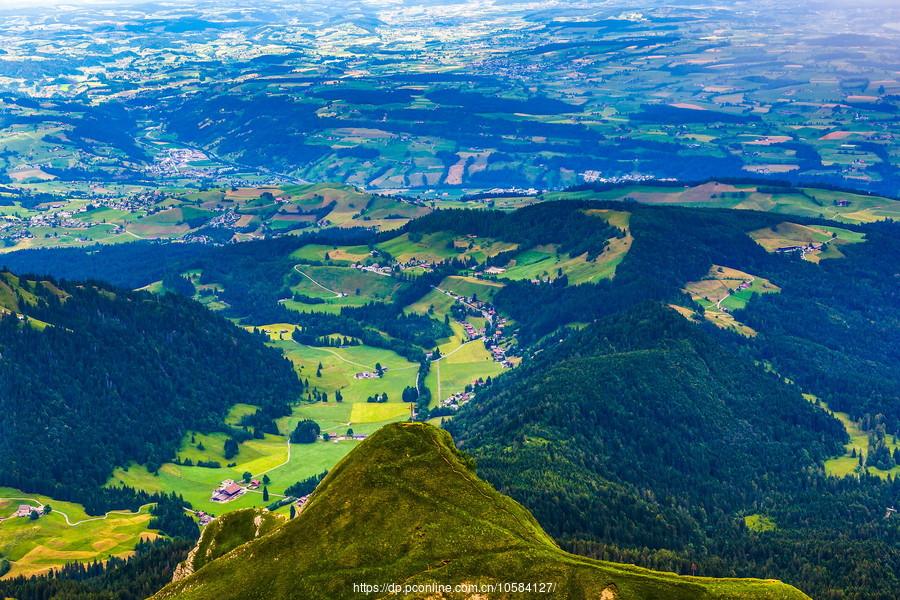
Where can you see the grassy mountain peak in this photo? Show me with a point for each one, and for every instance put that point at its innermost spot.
(406, 508)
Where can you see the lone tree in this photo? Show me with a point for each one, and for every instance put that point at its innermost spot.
(266, 480)
(47, 509)
(306, 432)
(293, 511)
(34, 515)
(265, 494)
(247, 476)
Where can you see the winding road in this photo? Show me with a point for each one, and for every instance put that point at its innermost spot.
(40, 507)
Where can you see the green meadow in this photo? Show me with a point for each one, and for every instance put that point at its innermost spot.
(471, 287)
(462, 362)
(37, 546)
(286, 463)
(842, 466)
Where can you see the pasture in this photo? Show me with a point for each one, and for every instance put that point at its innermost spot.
(848, 464)
(288, 463)
(37, 546)
(724, 290)
(787, 234)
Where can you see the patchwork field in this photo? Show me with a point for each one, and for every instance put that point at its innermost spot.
(120, 214)
(462, 362)
(37, 546)
(435, 247)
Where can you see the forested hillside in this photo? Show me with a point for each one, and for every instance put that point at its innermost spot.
(642, 435)
(95, 377)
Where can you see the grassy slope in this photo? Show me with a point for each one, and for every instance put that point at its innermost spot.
(49, 542)
(270, 455)
(421, 516)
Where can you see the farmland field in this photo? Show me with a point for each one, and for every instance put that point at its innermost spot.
(36, 546)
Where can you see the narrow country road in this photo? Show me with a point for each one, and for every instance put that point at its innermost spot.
(730, 292)
(40, 507)
(336, 294)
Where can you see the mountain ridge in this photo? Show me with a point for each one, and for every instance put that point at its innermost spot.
(450, 528)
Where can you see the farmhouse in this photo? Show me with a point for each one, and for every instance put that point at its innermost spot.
(227, 493)
(24, 510)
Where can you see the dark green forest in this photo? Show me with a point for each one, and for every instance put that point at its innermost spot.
(642, 438)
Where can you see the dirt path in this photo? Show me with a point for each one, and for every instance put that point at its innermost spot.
(340, 357)
(40, 508)
(336, 294)
(729, 294)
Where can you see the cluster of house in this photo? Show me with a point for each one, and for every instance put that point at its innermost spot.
(205, 518)
(301, 502)
(493, 344)
(389, 269)
(499, 355)
(803, 249)
(471, 332)
(457, 400)
(597, 176)
(227, 219)
(228, 491)
(180, 162)
(376, 268)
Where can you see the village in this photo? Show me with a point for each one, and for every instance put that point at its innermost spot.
(492, 334)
